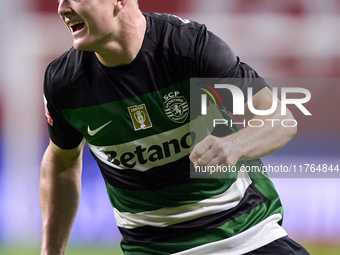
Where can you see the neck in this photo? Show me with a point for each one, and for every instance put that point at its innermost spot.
(124, 49)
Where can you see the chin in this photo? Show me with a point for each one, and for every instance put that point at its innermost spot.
(81, 45)
(78, 46)
(85, 45)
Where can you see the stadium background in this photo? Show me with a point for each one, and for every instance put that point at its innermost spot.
(280, 39)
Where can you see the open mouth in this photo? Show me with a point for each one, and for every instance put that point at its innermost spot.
(77, 26)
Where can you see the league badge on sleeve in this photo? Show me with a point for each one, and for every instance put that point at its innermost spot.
(47, 113)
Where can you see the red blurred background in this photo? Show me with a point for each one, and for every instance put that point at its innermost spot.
(287, 42)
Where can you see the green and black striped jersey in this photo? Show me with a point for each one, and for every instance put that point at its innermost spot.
(136, 120)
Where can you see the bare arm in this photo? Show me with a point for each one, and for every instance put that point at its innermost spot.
(60, 186)
(250, 142)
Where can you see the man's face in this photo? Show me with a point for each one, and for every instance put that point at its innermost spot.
(89, 21)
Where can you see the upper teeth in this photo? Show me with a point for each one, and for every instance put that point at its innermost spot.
(74, 23)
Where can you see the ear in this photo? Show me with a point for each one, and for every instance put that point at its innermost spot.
(120, 4)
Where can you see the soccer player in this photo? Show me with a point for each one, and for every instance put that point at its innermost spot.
(124, 89)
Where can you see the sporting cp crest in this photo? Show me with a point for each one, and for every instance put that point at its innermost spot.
(140, 117)
(176, 108)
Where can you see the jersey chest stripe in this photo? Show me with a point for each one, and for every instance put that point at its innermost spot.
(152, 235)
(211, 242)
(266, 231)
(172, 215)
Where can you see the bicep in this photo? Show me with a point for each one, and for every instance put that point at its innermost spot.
(57, 160)
(263, 100)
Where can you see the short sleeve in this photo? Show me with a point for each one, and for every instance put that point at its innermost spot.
(60, 131)
(215, 59)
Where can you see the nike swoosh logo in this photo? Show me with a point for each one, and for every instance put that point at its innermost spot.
(93, 132)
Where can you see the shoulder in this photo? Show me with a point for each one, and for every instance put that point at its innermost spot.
(170, 20)
(67, 68)
(173, 33)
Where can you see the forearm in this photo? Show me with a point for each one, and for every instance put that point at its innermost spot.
(250, 142)
(255, 142)
(60, 187)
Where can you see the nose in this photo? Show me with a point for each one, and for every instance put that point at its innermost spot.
(64, 7)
